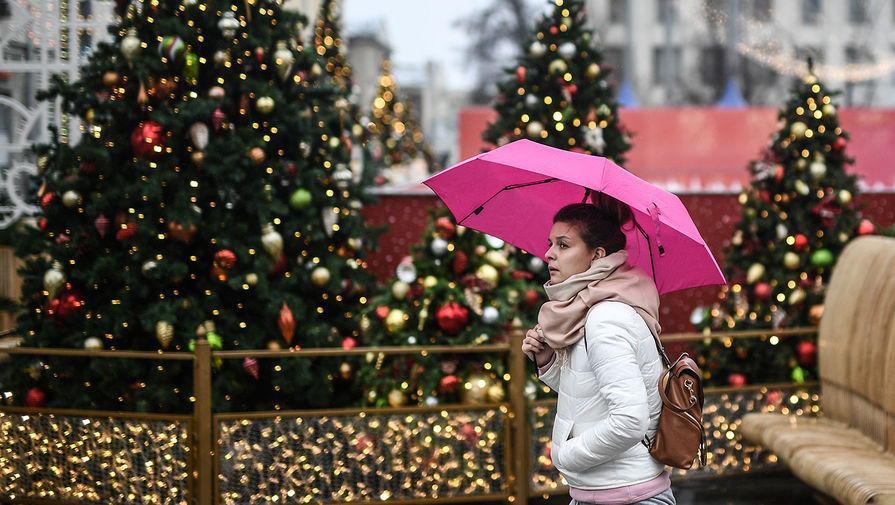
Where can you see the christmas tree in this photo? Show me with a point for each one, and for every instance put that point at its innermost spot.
(460, 287)
(398, 151)
(209, 198)
(558, 93)
(798, 214)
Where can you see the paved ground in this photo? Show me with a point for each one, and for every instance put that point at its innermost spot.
(778, 488)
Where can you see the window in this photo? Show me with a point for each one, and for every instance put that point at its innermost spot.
(665, 11)
(711, 65)
(617, 11)
(664, 70)
(857, 11)
(805, 52)
(811, 10)
(761, 10)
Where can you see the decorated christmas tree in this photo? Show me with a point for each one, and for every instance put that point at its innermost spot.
(559, 92)
(460, 287)
(209, 198)
(398, 151)
(798, 214)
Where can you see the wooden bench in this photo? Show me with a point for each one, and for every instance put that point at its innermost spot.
(849, 452)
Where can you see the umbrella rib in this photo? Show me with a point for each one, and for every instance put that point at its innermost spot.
(649, 246)
(478, 210)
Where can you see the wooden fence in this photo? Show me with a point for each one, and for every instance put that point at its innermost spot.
(464, 453)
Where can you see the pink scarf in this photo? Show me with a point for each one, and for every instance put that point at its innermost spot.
(561, 320)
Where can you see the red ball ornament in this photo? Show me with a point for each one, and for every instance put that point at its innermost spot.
(349, 343)
(35, 397)
(279, 267)
(736, 380)
(763, 290)
(800, 242)
(452, 317)
(148, 140)
(448, 384)
(520, 74)
(866, 227)
(807, 352)
(531, 297)
(88, 167)
(553, 30)
(65, 305)
(460, 262)
(839, 144)
(445, 228)
(382, 311)
(225, 258)
(126, 232)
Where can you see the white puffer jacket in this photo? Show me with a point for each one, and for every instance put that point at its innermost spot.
(608, 400)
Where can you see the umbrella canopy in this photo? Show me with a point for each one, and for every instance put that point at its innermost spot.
(513, 192)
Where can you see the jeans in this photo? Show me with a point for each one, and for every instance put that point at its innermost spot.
(663, 498)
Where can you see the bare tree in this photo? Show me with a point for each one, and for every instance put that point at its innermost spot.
(496, 32)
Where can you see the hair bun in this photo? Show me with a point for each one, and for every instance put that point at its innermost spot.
(615, 210)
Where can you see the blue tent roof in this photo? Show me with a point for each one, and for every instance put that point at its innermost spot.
(626, 96)
(732, 97)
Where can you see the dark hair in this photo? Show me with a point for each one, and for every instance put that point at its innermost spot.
(600, 223)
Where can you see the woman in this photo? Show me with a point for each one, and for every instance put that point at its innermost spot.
(594, 345)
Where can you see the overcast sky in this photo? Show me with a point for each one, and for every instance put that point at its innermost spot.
(419, 31)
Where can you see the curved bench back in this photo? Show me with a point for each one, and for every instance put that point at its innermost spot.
(856, 339)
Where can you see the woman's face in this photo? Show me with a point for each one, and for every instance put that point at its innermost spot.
(568, 254)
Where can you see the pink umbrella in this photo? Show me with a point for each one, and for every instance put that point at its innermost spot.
(513, 192)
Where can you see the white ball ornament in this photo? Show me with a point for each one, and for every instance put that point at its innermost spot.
(531, 100)
(320, 276)
(439, 246)
(431, 401)
(535, 264)
(567, 50)
(406, 270)
(818, 170)
(798, 129)
(400, 290)
(93, 344)
(537, 49)
(494, 242)
(71, 198)
(534, 129)
(698, 316)
(490, 315)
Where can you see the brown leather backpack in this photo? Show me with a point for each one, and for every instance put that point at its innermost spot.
(680, 437)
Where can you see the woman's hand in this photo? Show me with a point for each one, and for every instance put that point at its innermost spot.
(535, 348)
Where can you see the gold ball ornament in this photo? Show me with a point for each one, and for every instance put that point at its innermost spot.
(395, 321)
(400, 290)
(320, 276)
(496, 393)
(815, 313)
(397, 398)
(798, 129)
(251, 279)
(798, 296)
(791, 260)
(557, 66)
(198, 158)
(755, 273)
(111, 79)
(497, 259)
(273, 345)
(256, 154)
(593, 71)
(475, 389)
(829, 110)
(488, 274)
(844, 196)
(264, 105)
(346, 371)
(430, 281)
(810, 79)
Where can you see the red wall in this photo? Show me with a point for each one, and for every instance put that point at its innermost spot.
(714, 215)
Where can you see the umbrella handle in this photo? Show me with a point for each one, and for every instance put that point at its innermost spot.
(654, 213)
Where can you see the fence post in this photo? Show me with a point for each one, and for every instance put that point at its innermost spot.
(521, 432)
(203, 443)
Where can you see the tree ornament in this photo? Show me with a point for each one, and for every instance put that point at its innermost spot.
(191, 68)
(93, 344)
(534, 129)
(567, 50)
(822, 258)
(283, 60)
(225, 258)
(54, 279)
(452, 317)
(349, 343)
(256, 154)
(400, 289)
(395, 321)
(763, 291)
(320, 276)
(445, 228)
(537, 49)
(66, 305)
(439, 246)
(215, 342)
(448, 384)
(791, 260)
(286, 323)
(250, 365)
(148, 140)
(800, 242)
(164, 333)
(488, 274)
(272, 241)
(801, 187)
(346, 371)
(199, 134)
(815, 313)
(130, 45)
(557, 66)
(71, 199)
(475, 389)
(737, 380)
(807, 352)
(35, 397)
(228, 24)
(798, 129)
(126, 232)
(171, 47)
(406, 270)
(839, 144)
(397, 398)
(217, 119)
(829, 110)
(217, 93)
(149, 268)
(520, 74)
(797, 296)
(490, 315)
(756, 271)
(460, 262)
(818, 169)
(798, 374)
(866, 227)
(264, 104)
(110, 80)
(221, 58)
(497, 259)
(181, 233)
(300, 199)
(844, 196)
(593, 138)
